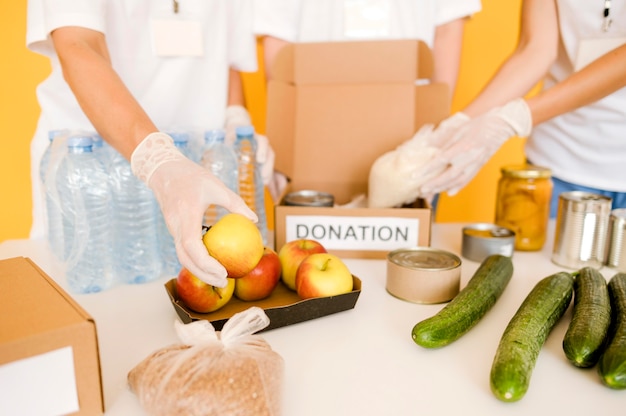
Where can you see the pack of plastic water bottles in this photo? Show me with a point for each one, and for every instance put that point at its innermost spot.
(106, 225)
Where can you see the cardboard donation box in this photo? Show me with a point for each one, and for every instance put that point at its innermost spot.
(333, 109)
(49, 362)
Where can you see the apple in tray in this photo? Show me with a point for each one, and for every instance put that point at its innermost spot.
(236, 243)
(291, 255)
(262, 280)
(322, 275)
(200, 296)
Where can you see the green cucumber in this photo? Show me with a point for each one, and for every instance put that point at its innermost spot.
(526, 334)
(612, 364)
(468, 306)
(586, 334)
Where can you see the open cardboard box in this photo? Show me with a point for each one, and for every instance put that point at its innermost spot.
(334, 108)
(283, 307)
(49, 361)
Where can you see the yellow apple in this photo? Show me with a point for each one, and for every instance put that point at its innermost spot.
(202, 297)
(236, 243)
(323, 274)
(262, 280)
(291, 255)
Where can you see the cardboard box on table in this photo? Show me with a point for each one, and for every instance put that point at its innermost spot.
(49, 361)
(333, 109)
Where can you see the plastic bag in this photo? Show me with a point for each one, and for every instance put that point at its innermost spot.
(231, 372)
(395, 177)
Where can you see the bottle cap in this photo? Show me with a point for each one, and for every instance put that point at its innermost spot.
(79, 141)
(214, 135)
(244, 131)
(179, 138)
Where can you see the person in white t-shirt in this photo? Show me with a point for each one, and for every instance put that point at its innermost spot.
(578, 120)
(439, 23)
(130, 69)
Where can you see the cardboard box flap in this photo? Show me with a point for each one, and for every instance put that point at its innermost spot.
(353, 62)
(20, 281)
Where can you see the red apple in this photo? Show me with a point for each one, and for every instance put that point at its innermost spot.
(202, 297)
(323, 274)
(236, 243)
(262, 280)
(292, 253)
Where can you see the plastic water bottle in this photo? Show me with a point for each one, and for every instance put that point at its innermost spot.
(103, 151)
(221, 160)
(182, 142)
(54, 222)
(251, 187)
(84, 193)
(136, 256)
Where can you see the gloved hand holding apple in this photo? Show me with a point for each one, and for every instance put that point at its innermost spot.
(184, 191)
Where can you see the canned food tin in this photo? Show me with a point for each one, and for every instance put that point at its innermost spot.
(423, 275)
(482, 240)
(616, 244)
(309, 198)
(581, 228)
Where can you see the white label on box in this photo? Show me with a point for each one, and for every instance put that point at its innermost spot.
(41, 385)
(354, 233)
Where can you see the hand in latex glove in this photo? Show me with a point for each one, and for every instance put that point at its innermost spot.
(184, 191)
(237, 116)
(470, 146)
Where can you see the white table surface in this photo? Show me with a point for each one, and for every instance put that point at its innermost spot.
(362, 361)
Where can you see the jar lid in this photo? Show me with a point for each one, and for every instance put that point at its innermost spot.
(526, 171)
(309, 198)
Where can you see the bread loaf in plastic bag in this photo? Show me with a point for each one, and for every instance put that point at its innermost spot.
(230, 372)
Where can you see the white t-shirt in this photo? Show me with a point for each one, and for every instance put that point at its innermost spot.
(339, 20)
(586, 146)
(188, 91)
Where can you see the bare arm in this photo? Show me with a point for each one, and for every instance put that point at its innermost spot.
(102, 95)
(535, 52)
(447, 52)
(600, 78)
(271, 47)
(235, 88)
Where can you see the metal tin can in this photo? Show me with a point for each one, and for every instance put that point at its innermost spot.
(616, 243)
(423, 275)
(309, 198)
(482, 240)
(523, 204)
(581, 229)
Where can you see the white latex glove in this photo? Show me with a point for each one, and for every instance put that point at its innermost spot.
(472, 144)
(236, 116)
(184, 191)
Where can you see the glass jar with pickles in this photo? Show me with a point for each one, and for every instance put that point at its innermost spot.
(523, 204)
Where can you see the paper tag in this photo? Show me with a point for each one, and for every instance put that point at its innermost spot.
(354, 233)
(366, 18)
(41, 385)
(176, 37)
(591, 49)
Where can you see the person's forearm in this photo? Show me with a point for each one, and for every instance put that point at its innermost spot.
(447, 52)
(102, 95)
(600, 78)
(536, 51)
(236, 95)
(271, 47)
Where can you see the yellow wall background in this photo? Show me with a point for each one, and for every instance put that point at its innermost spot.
(490, 37)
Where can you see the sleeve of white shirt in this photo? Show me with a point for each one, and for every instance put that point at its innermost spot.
(449, 10)
(44, 16)
(277, 18)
